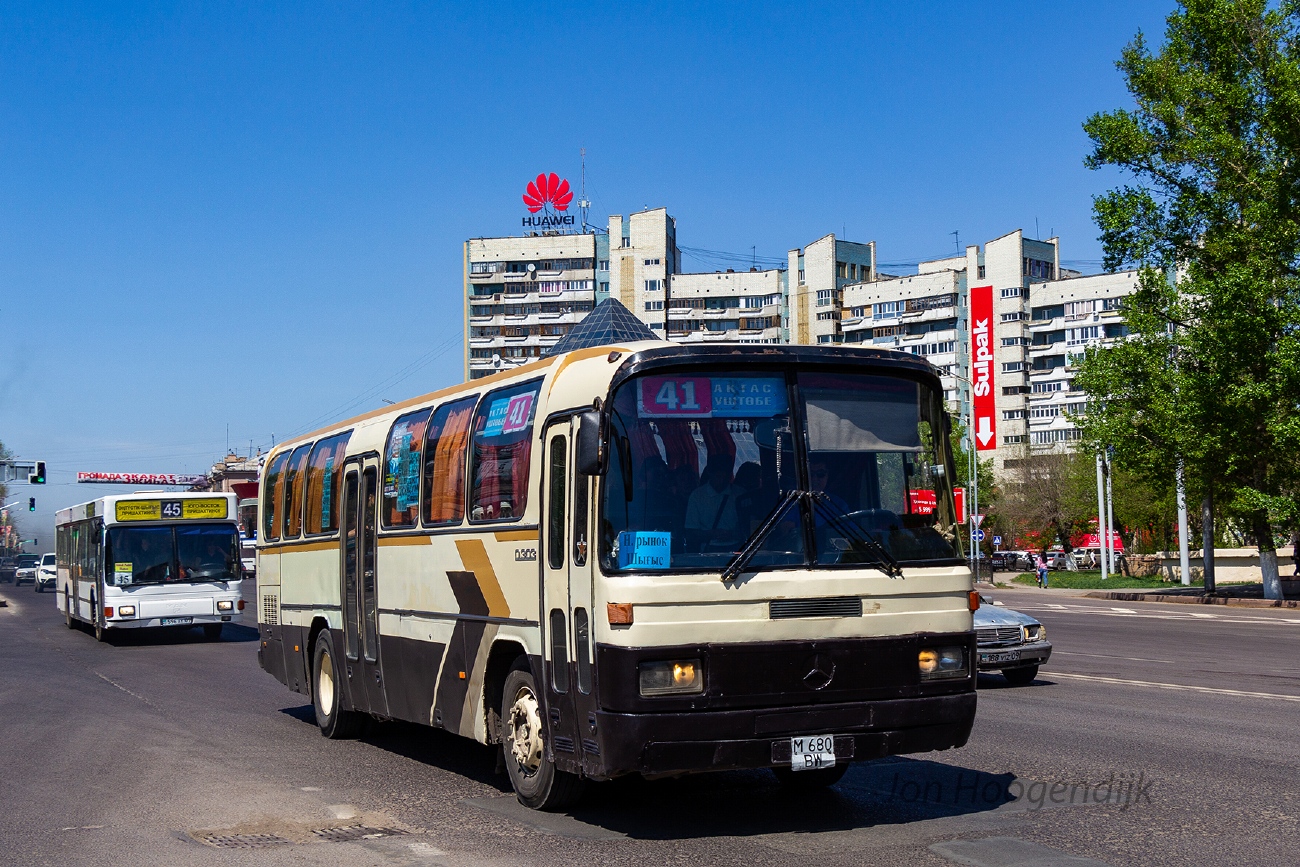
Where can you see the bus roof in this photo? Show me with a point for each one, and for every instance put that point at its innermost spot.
(147, 506)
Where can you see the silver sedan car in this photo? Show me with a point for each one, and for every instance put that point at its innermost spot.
(1010, 642)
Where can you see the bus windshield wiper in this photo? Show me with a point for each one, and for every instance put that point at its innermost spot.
(819, 501)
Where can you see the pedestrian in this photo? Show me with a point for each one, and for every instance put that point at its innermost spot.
(1042, 570)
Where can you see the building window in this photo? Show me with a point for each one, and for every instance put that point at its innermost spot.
(842, 270)
(1018, 316)
(1015, 341)
(824, 297)
(654, 305)
(1013, 292)
(1013, 366)
(1038, 268)
(822, 317)
(654, 285)
(1060, 435)
(656, 326)
(1014, 439)
(602, 265)
(626, 242)
(1112, 303)
(823, 338)
(1015, 389)
(888, 309)
(980, 271)
(800, 275)
(1045, 387)
(1012, 414)
(604, 287)
(651, 262)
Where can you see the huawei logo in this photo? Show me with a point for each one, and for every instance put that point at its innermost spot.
(548, 189)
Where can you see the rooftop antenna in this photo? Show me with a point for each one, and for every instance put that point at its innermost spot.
(753, 255)
(956, 239)
(583, 204)
(1037, 235)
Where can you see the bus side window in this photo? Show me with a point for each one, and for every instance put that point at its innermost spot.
(295, 477)
(555, 504)
(402, 467)
(272, 497)
(500, 459)
(446, 442)
(324, 468)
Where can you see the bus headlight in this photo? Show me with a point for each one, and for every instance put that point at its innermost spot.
(126, 611)
(940, 663)
(225, 605)
(671, 678)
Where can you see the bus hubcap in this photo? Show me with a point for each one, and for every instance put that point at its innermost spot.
(325, 683)
(525, 733)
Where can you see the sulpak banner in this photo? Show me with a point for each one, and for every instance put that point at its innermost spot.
(984, 416)
(141, 478)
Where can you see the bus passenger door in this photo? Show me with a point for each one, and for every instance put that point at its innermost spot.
(359, 587)
(580, 605)
(563, 737)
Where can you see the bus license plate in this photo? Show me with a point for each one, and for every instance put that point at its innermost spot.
(810, 753)
(1004, 656)
(177, 621)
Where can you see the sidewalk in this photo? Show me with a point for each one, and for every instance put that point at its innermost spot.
(1239, 596)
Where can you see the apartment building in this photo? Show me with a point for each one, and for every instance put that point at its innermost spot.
(642, 263)
(728, 306)
(524, 294)
(820, 271)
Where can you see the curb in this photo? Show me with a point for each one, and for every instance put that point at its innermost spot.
(1194, 600)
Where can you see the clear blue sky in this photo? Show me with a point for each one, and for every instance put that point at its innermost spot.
(252, 214)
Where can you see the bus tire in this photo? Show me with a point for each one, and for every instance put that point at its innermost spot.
(212, 631)
(327, 693)
(537, 783)
(810, 781)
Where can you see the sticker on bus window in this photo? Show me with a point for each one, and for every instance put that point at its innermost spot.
(711, 397)
(122, 574)
(508, 415)
(326, 490)
(638, 549)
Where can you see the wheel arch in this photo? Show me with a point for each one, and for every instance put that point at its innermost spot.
(501, 659)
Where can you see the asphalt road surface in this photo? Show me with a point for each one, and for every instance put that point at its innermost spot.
(1158, 734)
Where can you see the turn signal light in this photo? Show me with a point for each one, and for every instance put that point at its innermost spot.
(620, 613)
(973, 600)
(240, 606)
(108, 612)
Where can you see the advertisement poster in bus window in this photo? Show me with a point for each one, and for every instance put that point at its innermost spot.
(402, 479)
(508, 415)
(326, 488)
(711, 397)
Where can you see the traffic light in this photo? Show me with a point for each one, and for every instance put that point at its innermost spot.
(31, 504)
(38, 477)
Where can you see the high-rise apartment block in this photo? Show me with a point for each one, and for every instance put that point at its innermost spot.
(522, 294)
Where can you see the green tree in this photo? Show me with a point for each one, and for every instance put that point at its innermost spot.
(1049, 497)
(1211, 374)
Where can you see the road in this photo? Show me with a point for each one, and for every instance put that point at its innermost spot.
(1181, 722)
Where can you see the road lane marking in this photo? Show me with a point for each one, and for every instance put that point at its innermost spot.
(1108, 656)
(1199, 614)
(1123, 611)
(1178, 687)
(1168, 615)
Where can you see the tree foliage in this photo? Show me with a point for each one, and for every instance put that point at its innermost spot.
(1211, 218)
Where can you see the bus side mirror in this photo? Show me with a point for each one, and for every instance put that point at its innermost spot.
(589, 457)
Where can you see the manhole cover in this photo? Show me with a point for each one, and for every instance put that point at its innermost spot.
(354, 832)
(244, 841)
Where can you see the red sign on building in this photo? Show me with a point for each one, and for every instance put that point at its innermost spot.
(983, 393)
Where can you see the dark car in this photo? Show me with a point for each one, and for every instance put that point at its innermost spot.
(1006, 561)
(1010, 642)
(7, 568)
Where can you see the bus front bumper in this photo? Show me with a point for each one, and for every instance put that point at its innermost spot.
(155, 622)
(671, 743)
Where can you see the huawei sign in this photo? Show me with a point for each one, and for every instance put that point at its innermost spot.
(548, 190)
(552, 193)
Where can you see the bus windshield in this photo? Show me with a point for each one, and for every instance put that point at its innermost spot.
(165, 555)
(811, 469)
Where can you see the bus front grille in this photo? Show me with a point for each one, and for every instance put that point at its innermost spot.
(271, 609)
(842, 606)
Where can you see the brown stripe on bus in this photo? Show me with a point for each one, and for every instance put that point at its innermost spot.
(516, 536)
(474, 555)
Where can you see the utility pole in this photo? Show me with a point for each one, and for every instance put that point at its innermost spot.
(1184, 560)
(1207, 541)
(1101, 510)
(1110, 509)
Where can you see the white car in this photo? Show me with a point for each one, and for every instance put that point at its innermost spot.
(26, 568)
(47, 573)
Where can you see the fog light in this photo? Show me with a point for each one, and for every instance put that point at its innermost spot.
(669, 678)
(942, 663)
(225, 605)
(126, 611)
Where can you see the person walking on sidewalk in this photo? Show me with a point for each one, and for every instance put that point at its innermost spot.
(1042, 570)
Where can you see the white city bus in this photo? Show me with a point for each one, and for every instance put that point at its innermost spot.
(150, 559)
(643, 558)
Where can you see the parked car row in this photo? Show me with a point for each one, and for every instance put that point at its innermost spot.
(36, 569)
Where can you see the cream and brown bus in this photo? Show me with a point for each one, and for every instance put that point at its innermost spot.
(639, 558)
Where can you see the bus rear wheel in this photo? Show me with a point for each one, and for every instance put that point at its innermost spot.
(327, 693)
(537, 783)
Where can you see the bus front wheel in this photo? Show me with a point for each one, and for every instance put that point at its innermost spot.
(327, 695)
(537, 782)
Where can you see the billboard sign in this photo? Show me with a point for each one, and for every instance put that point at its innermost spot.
(547, 197)
(141, 478)
(984, 413)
